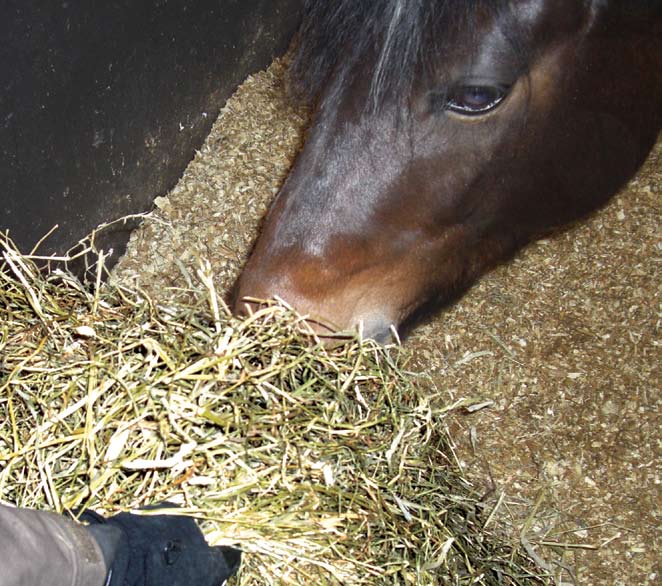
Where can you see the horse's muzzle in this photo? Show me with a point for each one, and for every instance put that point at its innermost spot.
(326, 321)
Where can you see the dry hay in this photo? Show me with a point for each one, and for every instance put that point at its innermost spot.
(326, 466)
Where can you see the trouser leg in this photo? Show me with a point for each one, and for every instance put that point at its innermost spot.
(39, 548)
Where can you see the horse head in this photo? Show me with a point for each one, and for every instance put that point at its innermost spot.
(447, 135)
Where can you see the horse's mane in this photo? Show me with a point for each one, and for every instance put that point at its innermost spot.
(398, 34)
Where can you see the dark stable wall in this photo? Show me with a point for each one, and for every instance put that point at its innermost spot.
(103, 104)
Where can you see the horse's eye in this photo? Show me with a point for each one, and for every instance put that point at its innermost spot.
(474, 100)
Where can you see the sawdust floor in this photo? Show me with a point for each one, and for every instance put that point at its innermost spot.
(564, 342)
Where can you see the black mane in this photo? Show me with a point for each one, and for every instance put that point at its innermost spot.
(400, 35)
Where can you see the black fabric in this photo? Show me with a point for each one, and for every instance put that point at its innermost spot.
(161, 549)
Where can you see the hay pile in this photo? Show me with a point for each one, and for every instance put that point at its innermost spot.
(325, 465)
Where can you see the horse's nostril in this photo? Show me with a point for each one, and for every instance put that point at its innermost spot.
(381, 337)
(379, 329)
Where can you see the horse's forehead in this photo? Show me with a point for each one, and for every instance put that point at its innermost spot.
(518, 26)
(504, 42)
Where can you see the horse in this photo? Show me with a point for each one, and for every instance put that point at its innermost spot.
(446, 135)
